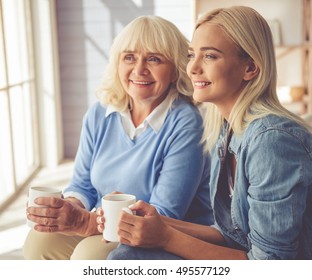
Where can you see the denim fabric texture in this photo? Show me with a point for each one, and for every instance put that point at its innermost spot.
(124, 252)
(269, 214)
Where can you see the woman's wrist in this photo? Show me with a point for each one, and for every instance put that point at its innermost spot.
(168, 238)
(74, 200)
(89, 224)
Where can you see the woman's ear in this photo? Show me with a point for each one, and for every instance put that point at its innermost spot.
(251, 71)
(175, 77)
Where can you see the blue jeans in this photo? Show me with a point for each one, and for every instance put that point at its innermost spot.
(124, 252)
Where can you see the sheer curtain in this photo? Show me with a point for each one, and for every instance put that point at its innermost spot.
(19, 152)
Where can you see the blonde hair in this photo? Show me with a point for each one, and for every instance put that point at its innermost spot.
(151, 34)
(252, 35)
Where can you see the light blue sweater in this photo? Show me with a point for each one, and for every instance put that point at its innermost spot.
(167, 169)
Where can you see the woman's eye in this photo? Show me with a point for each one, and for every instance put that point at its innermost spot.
(129, 58)
(190, 56)
(210, 56)
(153, 59)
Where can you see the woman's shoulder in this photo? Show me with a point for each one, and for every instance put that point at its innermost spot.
(275, 122)
(275, 128)
(183, 108)
(96, 110)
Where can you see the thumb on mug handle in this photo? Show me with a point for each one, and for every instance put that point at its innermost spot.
(128, 210)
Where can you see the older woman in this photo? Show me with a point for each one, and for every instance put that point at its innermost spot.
(262, 201)
(142, 138)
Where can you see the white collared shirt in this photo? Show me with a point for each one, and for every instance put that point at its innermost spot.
(155, 119)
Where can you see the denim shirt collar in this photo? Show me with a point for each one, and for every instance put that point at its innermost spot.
(236, 142)
(236, 139)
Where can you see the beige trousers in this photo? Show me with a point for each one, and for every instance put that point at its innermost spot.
(55, 246)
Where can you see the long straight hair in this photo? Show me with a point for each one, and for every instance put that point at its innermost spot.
(250, 32)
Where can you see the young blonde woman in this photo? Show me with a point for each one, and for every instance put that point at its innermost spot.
(261, 155)
(142, 138)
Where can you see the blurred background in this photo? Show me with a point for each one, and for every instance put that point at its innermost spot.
(52, 57)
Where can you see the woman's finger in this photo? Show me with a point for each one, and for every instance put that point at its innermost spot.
(99, 211)
(100, 228)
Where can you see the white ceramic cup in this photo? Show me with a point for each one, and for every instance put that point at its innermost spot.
(112, 205)
(35, 192)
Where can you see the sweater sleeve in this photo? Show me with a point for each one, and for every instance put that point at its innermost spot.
(80, 185)
(183, 165)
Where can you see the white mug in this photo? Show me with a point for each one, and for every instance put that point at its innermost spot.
(35, 192)
(112, 205)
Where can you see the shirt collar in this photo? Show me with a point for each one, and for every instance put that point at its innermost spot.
(155, 119)
(110, 110)
(235, 139)
(235, 143)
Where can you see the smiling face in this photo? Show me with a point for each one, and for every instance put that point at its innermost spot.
(217, 71)
(145, 76)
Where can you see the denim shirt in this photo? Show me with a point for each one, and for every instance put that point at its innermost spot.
(269, 214)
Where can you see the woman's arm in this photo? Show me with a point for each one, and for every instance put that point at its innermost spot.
(184, 167)
(277, 193)
(179, 243)
(205, 233)
(80, 185)
(150, 230)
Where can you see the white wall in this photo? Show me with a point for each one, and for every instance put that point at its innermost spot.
(288, 13)
(86, 29)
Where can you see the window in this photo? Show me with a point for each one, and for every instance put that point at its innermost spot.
(19, 152)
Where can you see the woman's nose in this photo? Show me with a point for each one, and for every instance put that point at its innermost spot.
(140, 68)
(195, 67)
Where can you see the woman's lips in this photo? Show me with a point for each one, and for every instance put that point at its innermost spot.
(201, 84)
(144, 83)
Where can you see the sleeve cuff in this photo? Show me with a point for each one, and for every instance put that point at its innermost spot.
(83, 200)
